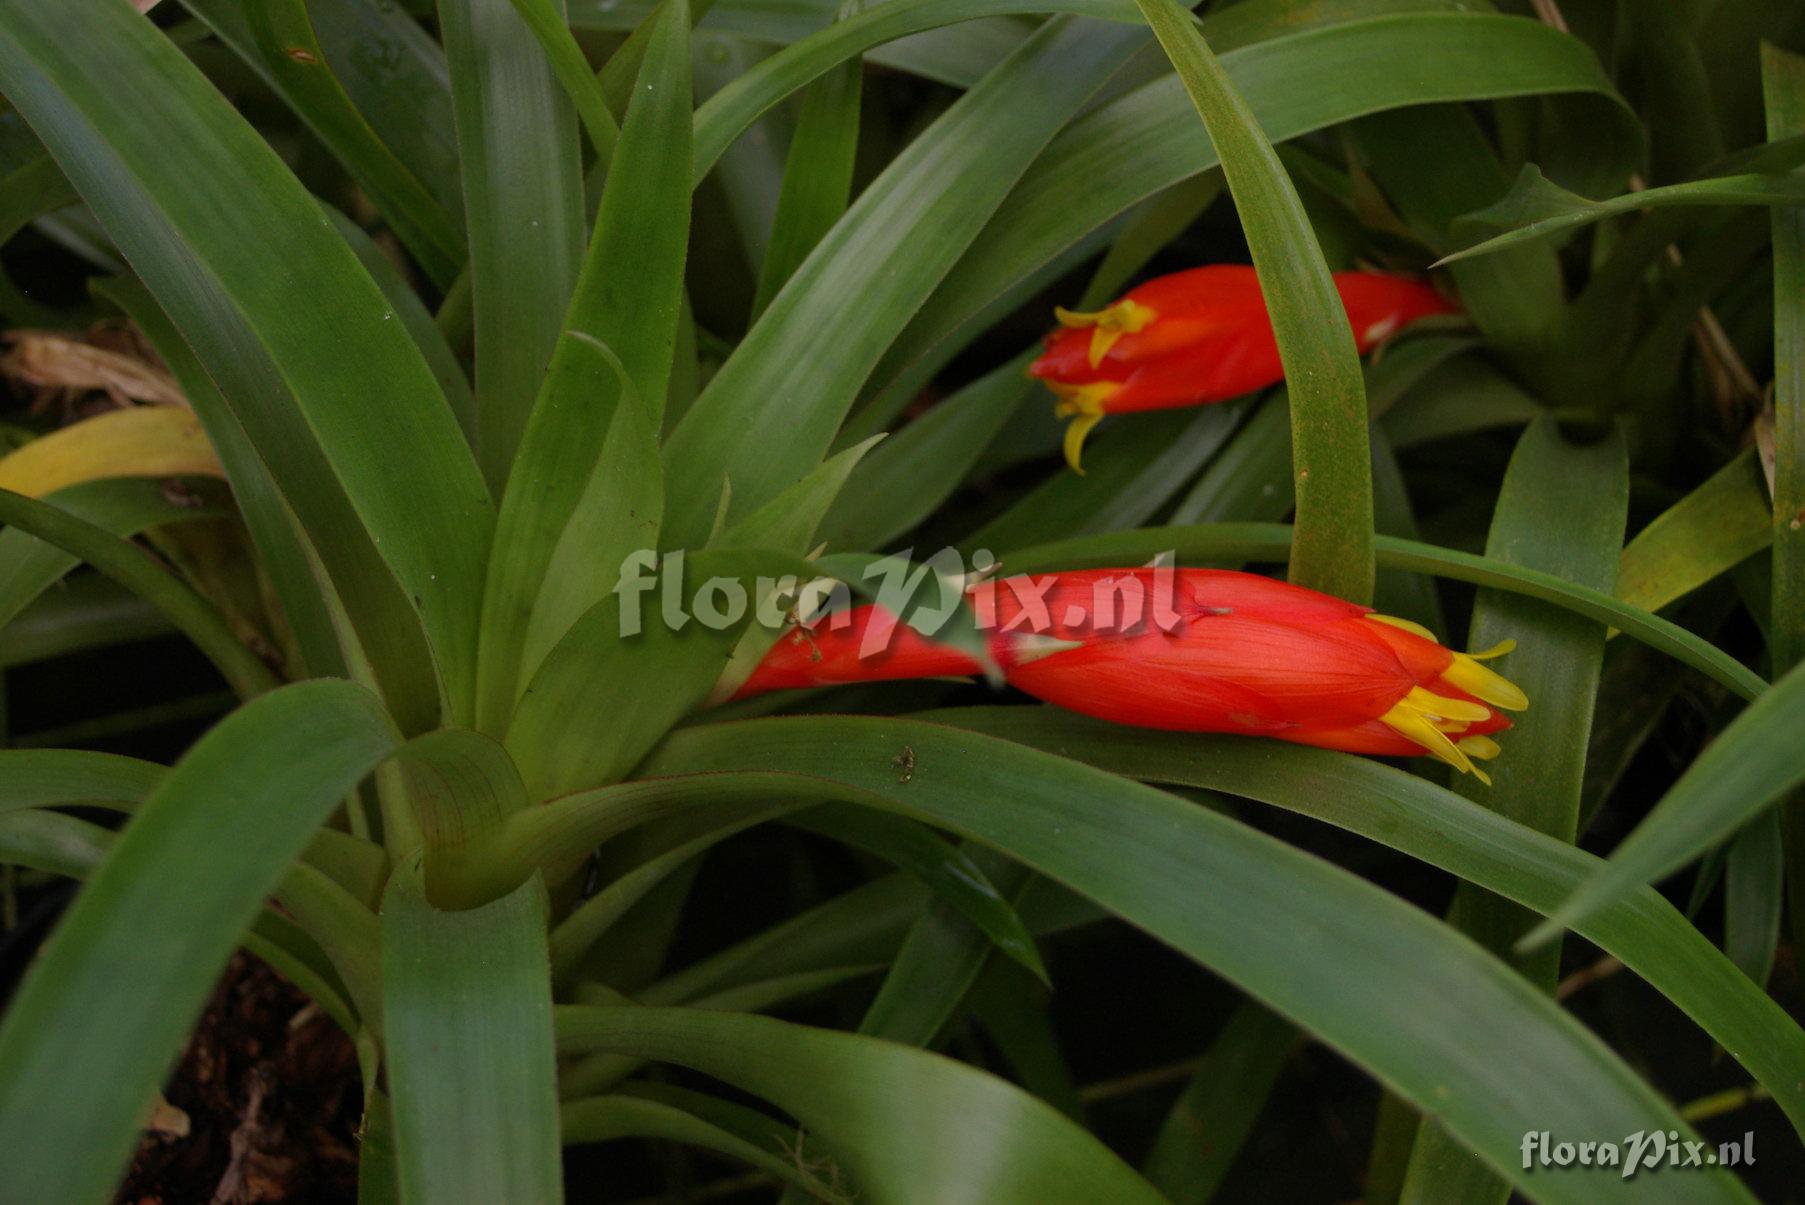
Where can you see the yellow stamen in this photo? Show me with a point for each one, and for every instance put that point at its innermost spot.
(1482, 747)
(1413, 725)
(1496, 651)
(1125, 317)
(1483, 683)
(1083, 404)
(1409, 625)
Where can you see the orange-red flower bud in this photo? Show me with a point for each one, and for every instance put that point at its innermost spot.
(1189, 650)
(1198, 336)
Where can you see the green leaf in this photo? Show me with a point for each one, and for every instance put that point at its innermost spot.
(460, 785)
(1750, 765)
(947, 869)
(1516, 298)
(906, 478)
(803, 362)
(1783, 88)
(1128, 476)
(1414, 816)
(589, 921)
(1754, 891)
(904, 1124)
(546, 19)
(627, 300)
(1704, 535)
(102, 1014)
(817, 176)
(1238, 542)
(123, 507)
(290, 327)
(585, 718)
(36, 778)
(1332, 469)
(308, 601)
(64, 845)
(1435, 1017)
(523, 202)
(1561, 510)
(467, 1014)
(940, 963)
(418, 320)
(605, 1118)
(617, 514)
(1465, 396)
(396, 75)
(788, 521)
(277, 38)
(1536, 208)
(141, 573)
(1215, 1114)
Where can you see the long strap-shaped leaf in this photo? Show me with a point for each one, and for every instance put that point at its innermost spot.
(1536, 207)
(328, 387)
(33, 778)
(467, 1022)
(627, 299)
(1783, 77)
(523, 202)
(102, 1014)
(1706, 534)
(1427, 822)
(1561, 510)
(907, 1126)
(277, 38)
(123, 506)
(308, 599)
(770, 413)
(1331, 548)
(139, 572)
(1753, 763)
(1425, 1009)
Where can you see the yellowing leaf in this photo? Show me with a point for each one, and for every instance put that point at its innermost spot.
(142, 441)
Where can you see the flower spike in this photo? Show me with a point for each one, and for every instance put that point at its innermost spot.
(1217, 651)
(1200, 336)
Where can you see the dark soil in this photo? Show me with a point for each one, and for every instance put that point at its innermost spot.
(269, 1086)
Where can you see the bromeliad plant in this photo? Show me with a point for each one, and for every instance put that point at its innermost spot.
(473, 770)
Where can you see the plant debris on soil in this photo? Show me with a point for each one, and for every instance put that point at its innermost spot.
(263, 1107)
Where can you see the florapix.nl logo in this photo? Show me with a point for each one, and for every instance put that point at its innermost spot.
(926, 594)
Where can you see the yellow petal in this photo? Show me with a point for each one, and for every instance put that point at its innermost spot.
(139, 441)
(1440, 707)
(1482, 747)
(1102, 339)
(1125, 317)
(1412, 725)
(1074, 439)
(1483, 683)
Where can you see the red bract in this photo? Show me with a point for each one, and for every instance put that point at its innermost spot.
(1198, 336)
(1189, 650)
